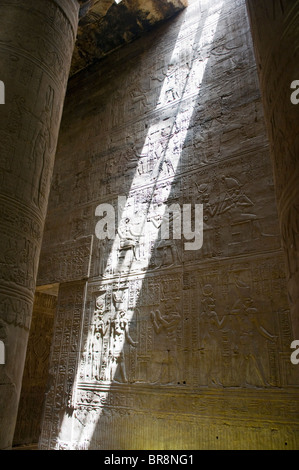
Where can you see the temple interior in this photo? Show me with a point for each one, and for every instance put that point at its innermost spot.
(149, 228)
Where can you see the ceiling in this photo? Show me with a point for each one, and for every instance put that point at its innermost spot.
(106, 25)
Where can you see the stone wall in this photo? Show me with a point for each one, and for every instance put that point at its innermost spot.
(157, 346)
(276, 39)
(36, 370)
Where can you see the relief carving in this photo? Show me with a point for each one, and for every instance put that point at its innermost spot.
(167, 360)
(159, 321)
(110, 338)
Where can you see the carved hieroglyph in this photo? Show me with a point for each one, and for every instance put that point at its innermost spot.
(275, 33)
(36, 44)
(177, 349)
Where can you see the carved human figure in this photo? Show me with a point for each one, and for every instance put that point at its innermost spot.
(168, 323)
(250, 342)
(128, 243)
(138, 91)
(100, 308)
(166, 250)
(120, 337)
(237, 203)
(98, 347)
(171, 83)
(204, 198)
(235, 200)
(101, 258)
(210, 333)
(118, 297)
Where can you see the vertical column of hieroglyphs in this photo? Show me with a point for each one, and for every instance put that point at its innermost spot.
(36, 43)
(63, 363)
(275, 33)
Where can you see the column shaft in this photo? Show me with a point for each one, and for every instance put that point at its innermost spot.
(36, 44)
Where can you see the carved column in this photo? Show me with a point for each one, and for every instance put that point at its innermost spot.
(36, 44)
(274, 26)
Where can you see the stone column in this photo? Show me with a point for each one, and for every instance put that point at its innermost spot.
(274, 26)
(36, 44)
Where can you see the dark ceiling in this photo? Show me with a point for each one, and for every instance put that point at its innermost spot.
(106, 25)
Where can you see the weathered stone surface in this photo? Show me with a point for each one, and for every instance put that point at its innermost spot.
(36, 44)
(108, 25)
(36, 370)
(64, 361)
(163, 347)
(276, 37)
(71, 260)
